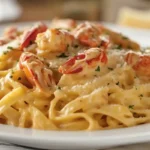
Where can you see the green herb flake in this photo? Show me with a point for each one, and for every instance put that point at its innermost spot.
(131, 106)
(109, 94)
(67, 46)
(47, 64)
(59, 88)
(76, 46)
(31, 42)
(119, 47)
(106, 33)
(117, 83)
(141, 95)
(59, 28)
(124, 37)
(5, 52)
(12, 71)
(25, 102)
(9, 47)
(129, 47)
(11, 76)
(19, 78)
(97, 69)
(109, 68)
(99, 46)
(73, 55)
(62, 55)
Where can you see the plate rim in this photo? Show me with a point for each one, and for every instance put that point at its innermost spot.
(92, 139)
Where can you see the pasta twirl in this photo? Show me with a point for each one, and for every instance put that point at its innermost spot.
(75, 77)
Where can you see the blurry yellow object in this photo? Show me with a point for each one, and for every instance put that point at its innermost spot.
(134, 18)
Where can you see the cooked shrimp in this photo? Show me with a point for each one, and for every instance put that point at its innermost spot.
(88, 34)
(90, 58)
(54, 40)
(63, 23)
(140, 63)
(9, 34)
(30, 35)
(3, 41)
(37, 73)
(120, 40)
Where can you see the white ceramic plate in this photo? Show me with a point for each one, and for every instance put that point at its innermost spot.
(75, 140)
(82, 139)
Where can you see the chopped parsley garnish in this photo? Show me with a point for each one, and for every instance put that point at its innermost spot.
(106, 32)
(119, 47)
(31, 42)
(47, 64)
(59, 28)
(73, 54)
(62, 55)
(11, 76)
(67, 46)
(59, 88)
(25, 102)
(129, 47)
(76, 46)
(141, 95)
(109, 94)
(5, 52)
(110, 68)
(99, 45)
(12, 71)
(19, 78)
(131, 106)
(117, 83)
(98, 68)
(124, 37)
(9, 47)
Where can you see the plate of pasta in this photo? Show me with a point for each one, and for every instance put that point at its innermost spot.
(66, 82)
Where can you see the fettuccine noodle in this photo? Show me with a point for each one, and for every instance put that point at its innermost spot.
(71, 76)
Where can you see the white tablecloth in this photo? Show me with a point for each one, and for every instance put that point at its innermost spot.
(8, 146)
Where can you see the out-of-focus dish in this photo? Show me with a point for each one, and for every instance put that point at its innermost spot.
(71, 76)
(134, 18)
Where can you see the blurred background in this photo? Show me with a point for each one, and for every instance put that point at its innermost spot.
(135, 13)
